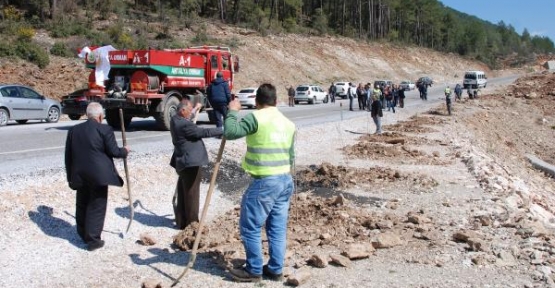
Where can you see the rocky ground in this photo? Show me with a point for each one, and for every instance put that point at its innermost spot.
(435, 201)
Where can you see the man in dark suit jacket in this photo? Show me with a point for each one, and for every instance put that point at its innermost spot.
(189, 155)
(90, 149)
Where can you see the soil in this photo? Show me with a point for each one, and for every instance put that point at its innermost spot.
(435, 201)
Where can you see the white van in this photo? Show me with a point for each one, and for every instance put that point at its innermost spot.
(475, 79)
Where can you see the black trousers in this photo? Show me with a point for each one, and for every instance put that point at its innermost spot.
(220, 111)
(188, 193)
(90, 212)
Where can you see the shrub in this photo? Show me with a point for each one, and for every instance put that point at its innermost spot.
(60, 49)
(25, 33)
(32, 52)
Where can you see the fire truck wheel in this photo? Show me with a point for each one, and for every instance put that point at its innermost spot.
(74, 116)
(170, 108)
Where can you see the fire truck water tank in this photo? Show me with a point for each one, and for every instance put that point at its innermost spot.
(141, 81)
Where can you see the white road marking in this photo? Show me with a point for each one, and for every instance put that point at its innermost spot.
(60, 147)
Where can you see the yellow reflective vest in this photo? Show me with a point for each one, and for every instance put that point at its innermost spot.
(269, 149)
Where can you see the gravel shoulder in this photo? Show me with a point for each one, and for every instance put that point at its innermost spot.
(459, 178)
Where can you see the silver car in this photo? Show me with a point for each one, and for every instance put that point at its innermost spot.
(21, 103)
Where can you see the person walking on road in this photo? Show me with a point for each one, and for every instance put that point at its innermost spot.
(291, 94)
(458, 92)
(269, 158)
(351, 93)
(401, 97)
(89, 152)
(447, 92)
(332, 92)
(219, 96)
(189, 155)
(377, 113)
(360, 97)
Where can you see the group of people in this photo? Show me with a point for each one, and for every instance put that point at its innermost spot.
(91, 147)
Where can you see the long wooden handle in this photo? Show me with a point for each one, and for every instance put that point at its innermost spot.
(204, 211)
(124, 139)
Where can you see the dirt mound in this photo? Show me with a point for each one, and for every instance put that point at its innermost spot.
(534, 86)
(315, 225)
(416, 124)
(392, 137)
(330, 176)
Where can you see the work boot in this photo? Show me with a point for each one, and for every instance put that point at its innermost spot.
(95, 245)
(271, 275)
(242, 275)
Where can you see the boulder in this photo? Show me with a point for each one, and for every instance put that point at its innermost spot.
(340, 260)
(387, 240)
(298, 277)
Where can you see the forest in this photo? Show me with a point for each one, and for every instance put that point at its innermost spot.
(425, 23)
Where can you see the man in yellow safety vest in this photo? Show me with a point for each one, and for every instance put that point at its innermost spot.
(269, 158)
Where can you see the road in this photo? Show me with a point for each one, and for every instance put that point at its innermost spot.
(35, 146)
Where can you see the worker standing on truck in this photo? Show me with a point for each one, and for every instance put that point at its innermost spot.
(219, 97)
(269, 158)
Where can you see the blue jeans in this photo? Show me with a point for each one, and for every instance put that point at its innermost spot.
(266, 202)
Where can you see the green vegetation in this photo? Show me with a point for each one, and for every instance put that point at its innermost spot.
(149, 23)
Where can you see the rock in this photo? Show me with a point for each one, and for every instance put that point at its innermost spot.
(485, 220)
(319, 260)
(505, 258)
(302, 196)
(146, 239)
(340, 260)
(477, 244)
(356, 251)
(387, 240)
(464, 235)
(418, 219)
(385, 224)
(339, 200)
(435, 154)
(325, 236)
(536, 228)
(298, 277)
(151, 283)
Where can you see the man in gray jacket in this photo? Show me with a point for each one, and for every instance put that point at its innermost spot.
(189, 155)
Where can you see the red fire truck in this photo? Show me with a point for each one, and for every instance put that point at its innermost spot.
(151, 82)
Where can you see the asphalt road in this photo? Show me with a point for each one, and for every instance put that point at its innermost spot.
(36, 146)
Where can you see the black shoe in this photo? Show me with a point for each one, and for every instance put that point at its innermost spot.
(271, 275)
(242, 275)
(95, 245)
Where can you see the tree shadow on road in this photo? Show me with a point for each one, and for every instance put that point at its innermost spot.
(55, 227)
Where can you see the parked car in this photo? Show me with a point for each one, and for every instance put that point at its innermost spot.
(424, 80)
(247, 97)
(310, 94)
(341, 89)
(21, 103)
(383, 83)
(407, 85)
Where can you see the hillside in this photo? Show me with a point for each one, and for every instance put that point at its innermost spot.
(282, 60)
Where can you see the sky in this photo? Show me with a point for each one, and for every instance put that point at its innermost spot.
(538, 16)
